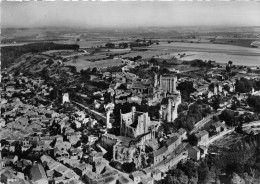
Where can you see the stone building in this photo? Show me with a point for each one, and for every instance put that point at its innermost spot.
(65, 98)
(169, 112)
(203, 137)
(135, 124)
(168, 83)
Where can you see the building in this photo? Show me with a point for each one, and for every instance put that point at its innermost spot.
(183, 133)
(65, 98)
(160, 155)
(203, 137)
(38, 175)
(169, 112)
(218, 127)
(134, 124)
(194, 153)
(168, 83)
(173, 142)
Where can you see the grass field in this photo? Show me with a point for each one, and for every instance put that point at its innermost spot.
(84, 64)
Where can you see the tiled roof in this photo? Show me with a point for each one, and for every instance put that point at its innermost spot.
(38, 173)
(172, 140)
(160, 151)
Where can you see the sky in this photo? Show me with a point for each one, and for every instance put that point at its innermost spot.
(129, 14)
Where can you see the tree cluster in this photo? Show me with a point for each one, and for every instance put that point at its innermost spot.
(254, 101)
(11, 53)
(186, 88)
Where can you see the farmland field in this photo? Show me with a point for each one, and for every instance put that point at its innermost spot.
(216, 52)
(84, 64)
(146, 54)
(89, 58)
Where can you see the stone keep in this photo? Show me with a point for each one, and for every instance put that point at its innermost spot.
(168, 83)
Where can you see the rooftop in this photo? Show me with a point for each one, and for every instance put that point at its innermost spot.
(160, 151)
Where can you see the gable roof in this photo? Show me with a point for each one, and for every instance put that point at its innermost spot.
(159, 151)
(38, 173)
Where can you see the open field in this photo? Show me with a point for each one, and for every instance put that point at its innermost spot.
(223, 58)
(59, 52)
(88, 58)
(245, 42)
(146, 54)
(215, 52)
(84, 64)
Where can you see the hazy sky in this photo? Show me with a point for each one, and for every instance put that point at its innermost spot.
(129, 14)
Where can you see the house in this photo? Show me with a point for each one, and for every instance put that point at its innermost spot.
(194, 153)
(218, 127)
(173, 142)
(108, 140)
(10, 159)
(160, 155)
(106, 75)
(95, 156)
(183, 134)
(7, 174)
(203, 151)
(147, 179)
(38, 175)
(83, 168)
(136, 176)
(57, 167)
(156, 174)
(203, 137)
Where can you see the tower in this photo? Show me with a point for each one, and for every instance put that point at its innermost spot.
(169, 110)
(155, 80)
(108, 124)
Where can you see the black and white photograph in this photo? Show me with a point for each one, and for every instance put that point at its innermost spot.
(130, 92)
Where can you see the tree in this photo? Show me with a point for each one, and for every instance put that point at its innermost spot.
(249, 70)
(189, 168)
(233, 106)
(236, 179)
(148, 149)
(229, 117)
(45, 74)
(110, 45)
(216, 102)
(153, 61)
(128, 167)
(116, 165)
(215, 118)
(226, 87)
(254, 101)
(123, 45)
(203, 173)
(94, 70)
(186, 88)
(193, 140)
(183, 107)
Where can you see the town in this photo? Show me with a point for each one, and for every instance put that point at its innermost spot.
(142, 120)
(130, 92)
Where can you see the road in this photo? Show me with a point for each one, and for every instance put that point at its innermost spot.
(202, 122)
(79, 54)
(170, 162)
(212, 139)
